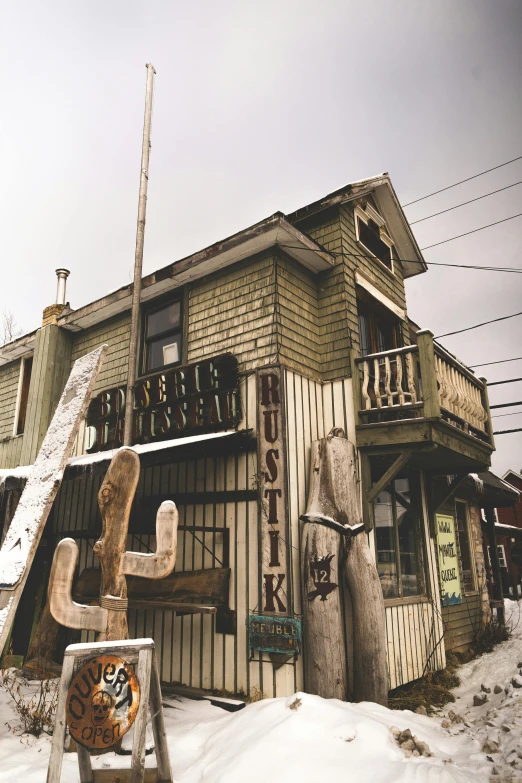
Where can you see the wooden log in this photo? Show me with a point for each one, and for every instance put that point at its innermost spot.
(160, 563)
(369, 619)
(43, 644)
(115, 499)
(209, 584)
(64, 610)
(334, 505)
(323, 623)
(22, 539)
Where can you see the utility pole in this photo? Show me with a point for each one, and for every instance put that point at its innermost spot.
(138, 259)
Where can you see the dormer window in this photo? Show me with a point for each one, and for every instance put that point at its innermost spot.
(371, 234)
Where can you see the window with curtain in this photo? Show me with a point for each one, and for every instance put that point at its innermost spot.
(398, 539)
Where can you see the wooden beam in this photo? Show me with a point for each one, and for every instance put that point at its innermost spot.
(390, 474)
(449, 491)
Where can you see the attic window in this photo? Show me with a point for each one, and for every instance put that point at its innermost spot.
(373, 237)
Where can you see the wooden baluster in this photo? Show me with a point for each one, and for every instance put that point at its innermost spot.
(443, 386)
(400, 390)
(366, 381)
(376, 383)
(410, 378)
(387, 380)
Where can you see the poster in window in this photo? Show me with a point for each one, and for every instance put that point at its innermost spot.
(451, 591)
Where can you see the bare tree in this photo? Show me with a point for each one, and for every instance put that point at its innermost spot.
(9, 329)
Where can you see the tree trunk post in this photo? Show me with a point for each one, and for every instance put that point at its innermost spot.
(334, 514)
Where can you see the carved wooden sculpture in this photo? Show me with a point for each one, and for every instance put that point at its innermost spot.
(333, 516)
(115, 499)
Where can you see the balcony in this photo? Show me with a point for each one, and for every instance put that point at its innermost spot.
(422, 398)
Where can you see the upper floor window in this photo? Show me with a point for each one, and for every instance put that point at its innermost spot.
(162, 336)
(370, 232)
(398, 539)
(379, 329)
(23, 394)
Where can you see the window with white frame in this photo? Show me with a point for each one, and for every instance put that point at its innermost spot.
(371, 234)
(466, 556)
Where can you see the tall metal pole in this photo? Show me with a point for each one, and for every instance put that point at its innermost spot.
(138, 259)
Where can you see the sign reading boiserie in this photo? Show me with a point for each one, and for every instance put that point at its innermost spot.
(197, 398)
(274, 634)
(447, 552)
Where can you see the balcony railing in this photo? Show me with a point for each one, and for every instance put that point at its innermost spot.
(422, 381)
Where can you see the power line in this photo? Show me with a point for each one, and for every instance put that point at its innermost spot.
(512, 217)
(505, 432)
(501, 415)
(464, 203)
(499, 361)
(505, 405)
(498, 383)
(476, 326)
(513, 269)
(462, 181)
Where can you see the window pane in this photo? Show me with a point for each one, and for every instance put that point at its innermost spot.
(407, 525)
(162, 320)
(164, 350)
(385, 544)
(464, 546)
(371, 239)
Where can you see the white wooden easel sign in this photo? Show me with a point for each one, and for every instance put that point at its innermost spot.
(105, 688)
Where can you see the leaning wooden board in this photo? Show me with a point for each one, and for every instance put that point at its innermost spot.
(27, 525)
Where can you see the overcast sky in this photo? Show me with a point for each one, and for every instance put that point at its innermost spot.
(263, 105)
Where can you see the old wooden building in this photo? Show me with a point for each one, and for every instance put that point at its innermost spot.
(251, 349)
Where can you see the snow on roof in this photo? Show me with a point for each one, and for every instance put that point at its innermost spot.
(146, 448)
(22, 471)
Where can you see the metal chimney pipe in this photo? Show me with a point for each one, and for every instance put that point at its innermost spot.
(62, 275)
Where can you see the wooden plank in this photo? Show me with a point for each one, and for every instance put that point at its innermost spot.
(390, 474)
(42, 485)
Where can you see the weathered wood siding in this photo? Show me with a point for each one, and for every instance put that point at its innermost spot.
(234, 311)
(116, 333)
(414, 630)
(299, 341)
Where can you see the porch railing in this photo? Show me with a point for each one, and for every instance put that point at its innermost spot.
(422, 381)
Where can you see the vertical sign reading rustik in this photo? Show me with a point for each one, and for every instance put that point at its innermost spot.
(448, 555)
(272, 486)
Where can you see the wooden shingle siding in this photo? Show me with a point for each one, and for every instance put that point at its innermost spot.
(234, 311)
(9, 380)
(115, 333)
(356, 258)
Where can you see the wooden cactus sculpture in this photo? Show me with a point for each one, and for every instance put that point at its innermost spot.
(115, 499)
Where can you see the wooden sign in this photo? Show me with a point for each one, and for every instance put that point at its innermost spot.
(197, 398)
(447, 552)
(274, 635)
(274, 532)
(102, 702)
(116, 684)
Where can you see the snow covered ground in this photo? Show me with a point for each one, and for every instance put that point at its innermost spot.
(307, 738)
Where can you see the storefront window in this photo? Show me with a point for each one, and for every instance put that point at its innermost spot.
(468, 582)
(398, 515)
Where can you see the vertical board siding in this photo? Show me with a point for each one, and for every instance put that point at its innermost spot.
(190, 652)
(414, 631)
(10, 452)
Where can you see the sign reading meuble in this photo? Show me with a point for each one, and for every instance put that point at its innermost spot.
(272, 486)
(451, 592)
(197, 398)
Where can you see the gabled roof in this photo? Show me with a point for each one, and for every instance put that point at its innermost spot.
(389, 206)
